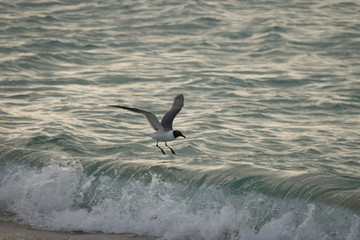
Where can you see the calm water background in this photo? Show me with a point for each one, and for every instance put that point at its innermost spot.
(271, 115)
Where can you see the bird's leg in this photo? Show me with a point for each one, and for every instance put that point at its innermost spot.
(170, 148)
(160, 147)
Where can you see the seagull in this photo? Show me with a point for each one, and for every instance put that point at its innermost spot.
(164, 131)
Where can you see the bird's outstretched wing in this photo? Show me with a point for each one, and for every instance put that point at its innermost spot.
(168, 118)
(154, 122)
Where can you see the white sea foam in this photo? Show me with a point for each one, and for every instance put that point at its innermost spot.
(61, 197)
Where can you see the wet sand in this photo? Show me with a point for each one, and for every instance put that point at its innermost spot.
(13, 231)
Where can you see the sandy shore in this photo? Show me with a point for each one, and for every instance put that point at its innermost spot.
(14, 231)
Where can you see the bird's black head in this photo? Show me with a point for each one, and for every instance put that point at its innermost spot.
(177, 133)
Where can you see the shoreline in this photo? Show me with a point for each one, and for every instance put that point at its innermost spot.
(14, 231)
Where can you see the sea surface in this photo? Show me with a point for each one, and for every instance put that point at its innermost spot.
(271, 116)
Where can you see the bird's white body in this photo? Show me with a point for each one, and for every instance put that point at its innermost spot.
(164, 136)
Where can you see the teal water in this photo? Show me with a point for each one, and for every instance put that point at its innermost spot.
(271, 116)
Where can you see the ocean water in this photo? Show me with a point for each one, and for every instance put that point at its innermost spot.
(271, 116)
